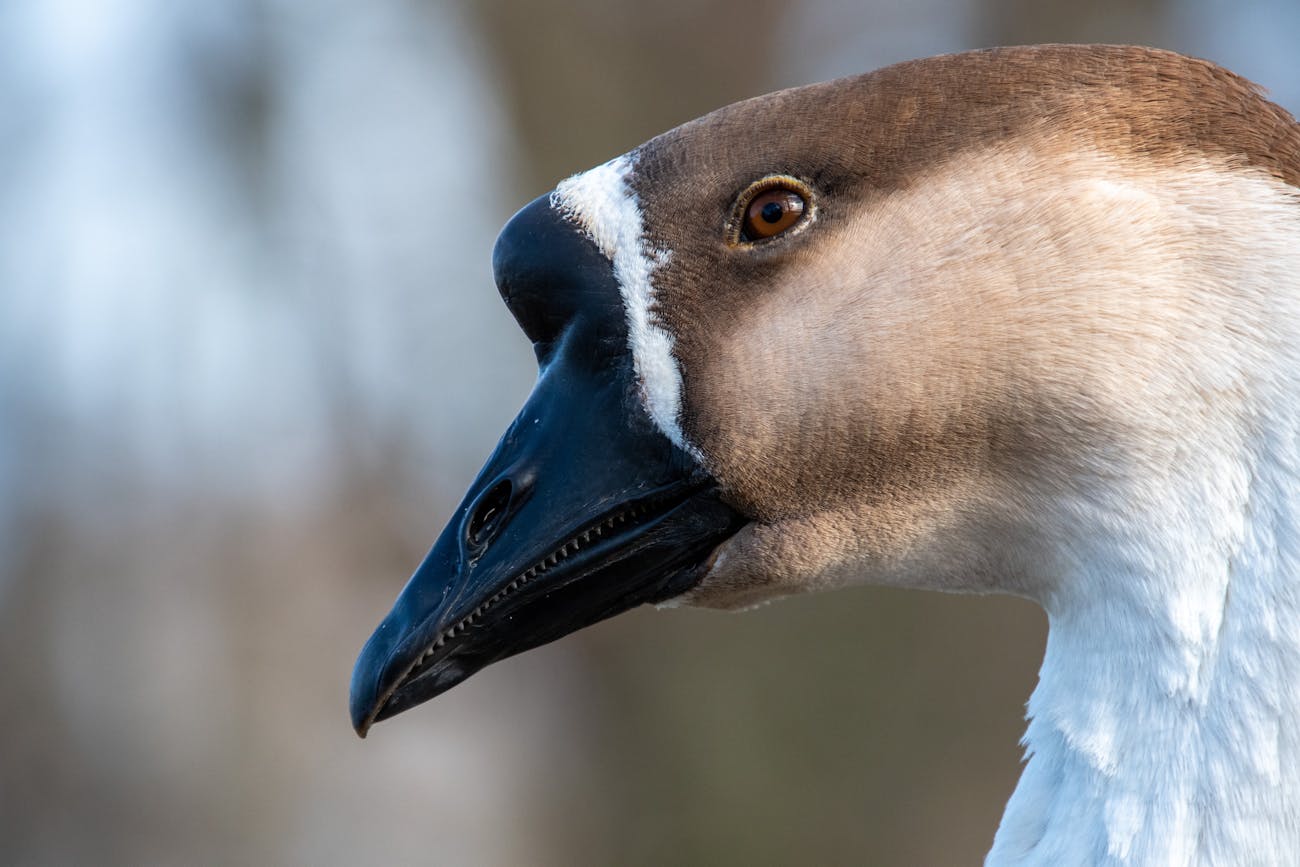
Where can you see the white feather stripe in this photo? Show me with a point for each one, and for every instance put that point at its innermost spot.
(602, 203)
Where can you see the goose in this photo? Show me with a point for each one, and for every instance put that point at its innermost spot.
(1021, 321)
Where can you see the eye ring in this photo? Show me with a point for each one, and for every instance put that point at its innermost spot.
(770, 208)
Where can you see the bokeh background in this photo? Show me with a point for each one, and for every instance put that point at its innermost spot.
(250, 357)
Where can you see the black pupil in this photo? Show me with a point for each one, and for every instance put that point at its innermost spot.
(772, 212)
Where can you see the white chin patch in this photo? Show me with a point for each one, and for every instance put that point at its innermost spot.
(601, 202)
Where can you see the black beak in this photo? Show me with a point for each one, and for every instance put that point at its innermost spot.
(585, 509)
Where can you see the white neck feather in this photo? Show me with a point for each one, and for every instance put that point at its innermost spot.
(1166, 724)
(1165, 728)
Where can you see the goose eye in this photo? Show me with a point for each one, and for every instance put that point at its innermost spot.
(772, 212)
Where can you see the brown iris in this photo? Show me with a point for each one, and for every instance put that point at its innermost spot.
(772, 211)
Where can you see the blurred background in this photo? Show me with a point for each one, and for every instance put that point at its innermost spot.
(250, 358)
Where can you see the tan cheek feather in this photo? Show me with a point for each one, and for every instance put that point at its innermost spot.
(929, 380)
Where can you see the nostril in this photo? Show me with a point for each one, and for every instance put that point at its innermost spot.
(488, 514)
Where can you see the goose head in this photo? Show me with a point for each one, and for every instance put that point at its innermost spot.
(967, 323)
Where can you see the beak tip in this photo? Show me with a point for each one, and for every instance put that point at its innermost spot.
(363, 697)
(360, 718)
(363, 716)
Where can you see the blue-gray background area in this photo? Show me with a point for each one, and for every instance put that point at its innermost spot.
(250, 357)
